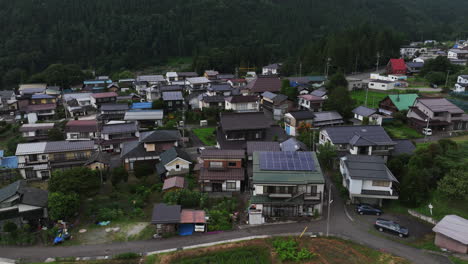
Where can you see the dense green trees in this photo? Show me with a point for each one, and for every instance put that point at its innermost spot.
(115, 35)
(63, 206)
(81, 180)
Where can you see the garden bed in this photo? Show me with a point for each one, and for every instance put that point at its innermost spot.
(206, 135)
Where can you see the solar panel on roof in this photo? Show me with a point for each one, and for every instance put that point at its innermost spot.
(286, 161)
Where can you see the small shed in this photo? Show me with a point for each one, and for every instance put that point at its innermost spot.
(174, 183)
(166, 217)
(452, 234)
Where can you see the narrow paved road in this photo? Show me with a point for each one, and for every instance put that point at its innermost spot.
(340, 225)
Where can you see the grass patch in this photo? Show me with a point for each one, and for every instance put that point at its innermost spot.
(443, 207)
(373, 98)
(456, 260)
(402, 132)
(244, 255)
(427, 243)
(206, 135)
(417, 82)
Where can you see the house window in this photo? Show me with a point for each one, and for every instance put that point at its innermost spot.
(177, 167)
(380, 183)
(230, 185)
(216, 164)
(232, 164)
(45, 174)
(80, 155)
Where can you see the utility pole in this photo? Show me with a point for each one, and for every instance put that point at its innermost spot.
(427, 128)
(329, 204)
(355, 64)
(446, 79)
(377, 64)
(367, 92)
(300, 69)
(327, 67)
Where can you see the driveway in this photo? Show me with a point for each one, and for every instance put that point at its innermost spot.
(340, 226)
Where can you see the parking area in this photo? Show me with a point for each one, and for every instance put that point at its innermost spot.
(417, 228)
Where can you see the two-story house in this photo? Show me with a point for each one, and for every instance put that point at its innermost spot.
(358, 140)
(113, 135)
(36, 132)
(78, 104)
(145, 118)
(97, 99)
(272, 69)
(38, 160)
(7, 97)
(367, 179)
(113, 111)
(310, 102)
(216, 101)
(211, 74)
(361, 112)
(285, 184)
(239, 103)
(294, 121)
(151, 79)
(148, 147)
(173, 162)
(277, 104)
(242, 127)
(462, 83)
(173, 101)
(263, 84)
(81, 130)
(397, 102)
(198, 84)
(42, 105)
(224, 89)
(437, 114)
(221, 170)
(23, 205)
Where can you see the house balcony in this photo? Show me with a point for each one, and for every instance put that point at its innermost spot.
(280, 195)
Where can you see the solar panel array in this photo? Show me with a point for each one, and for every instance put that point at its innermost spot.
(286, 161)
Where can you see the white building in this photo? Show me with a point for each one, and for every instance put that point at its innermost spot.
(272, 69)
(462, 83)
(367, 179)
(239, 103)
(381, 85)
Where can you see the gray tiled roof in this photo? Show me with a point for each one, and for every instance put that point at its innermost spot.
(213, 99)
(10, 190)
(222, 154)
(34, 196)
(62, 146)
(253, 146)
(364, 167)
(220, 87)
(327, 116)
(347, 134)
(318, 93)
(155, 114)
(119, 128)
(172, 96)
(160, 136)
(403, 146)
(440, 105)
(114, 107)
(302, 115)
(166, 214)
(364, 111)
(244, 121)
(293, 144)
(172, 153)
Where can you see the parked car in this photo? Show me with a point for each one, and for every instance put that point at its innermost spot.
(391, 227)
(427, 131)
(368, 209)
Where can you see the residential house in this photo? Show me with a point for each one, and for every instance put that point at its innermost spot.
(133, 97)
(113, 87)
(414, 67)
(81, 130)
(224, 77)
(277, 104)
(294, 121)
(32, 88)
(292, 144)
(183, 76)
(216, 101)
(219, 89)
(367, 179)
(311, 103)
(397, 102)
(173, 162)
(37, 160)
(198, 84)
(239, 103)
(151, 79)
(285, 184)
(78, 104)
(317, 81)
(437, 114)
(174, 183)
(211, 74)
(358, 140)
(321, 92)
(145, 118)
(264, 84)
(23, 205)
(36, 132)
(222, 170)
(462, 83)
(171, 219)
(113, 111)
(237, 83)
(372, 115)
(97, 85)
(457, 54)
(272, 69)
(126, 84)
(381, 85)
(171, 77)
(42, 106)
(140, 87)
(99, 161)
(356, 84)
(113, 135)
(97, 99)
(148, 147)
(452, 234)
(409, 51)
(7, 97)
(173, 101)
(253, 146)
(396, 66)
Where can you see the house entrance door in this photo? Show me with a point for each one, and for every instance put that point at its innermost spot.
(217, 187)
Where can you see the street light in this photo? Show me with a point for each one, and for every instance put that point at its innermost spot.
(427, 128)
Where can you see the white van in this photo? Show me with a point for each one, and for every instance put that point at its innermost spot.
(427, 131)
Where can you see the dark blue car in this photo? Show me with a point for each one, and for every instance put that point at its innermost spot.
(368, 209)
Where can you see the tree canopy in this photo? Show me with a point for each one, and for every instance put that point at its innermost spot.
(81, 180)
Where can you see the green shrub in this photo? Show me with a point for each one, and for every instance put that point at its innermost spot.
(107, 214)
(127, 255)
(143, 170)
(9, 227)
(288, 249)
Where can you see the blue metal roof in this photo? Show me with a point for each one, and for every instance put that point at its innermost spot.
(9, 162)
(98, 82)
(42, 96)
(147, 105)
